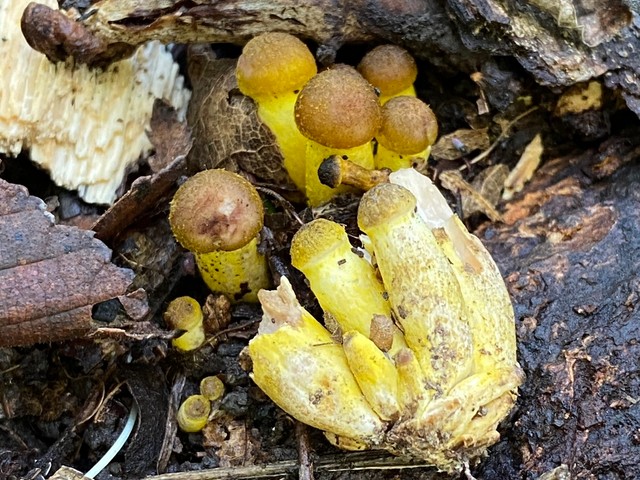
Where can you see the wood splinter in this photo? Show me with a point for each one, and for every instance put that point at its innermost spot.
(335, 171)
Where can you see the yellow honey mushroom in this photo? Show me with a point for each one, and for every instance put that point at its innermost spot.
(217, 215)
(422, 288)
(391, 69)
(408, 130)
(475, 393)
(338, 112)
(302, 369)
(412, 384)
(344, 283)
(335, 171)
(212, 388)
(193, 413)
(184, 313)
(492, 323)
(272, 69)
(375, 373)
(487, 419)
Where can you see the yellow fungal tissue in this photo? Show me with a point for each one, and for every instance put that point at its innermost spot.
(446, 375)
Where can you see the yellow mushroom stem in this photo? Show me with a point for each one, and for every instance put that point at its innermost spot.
(317, 191)
(386, 158)
(193, 413)
(272, 69)
(239, 273)
(184, 313)
(435, 326)
(375, 373)
(301, 368)
(494, 341)
(335, 171)
(218, 215)
(335, 270)
(339, 114)
(212, 388)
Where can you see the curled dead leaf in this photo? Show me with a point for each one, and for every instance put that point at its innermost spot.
(226, 129)
(455, 145)
(51, 275)
(473, 195)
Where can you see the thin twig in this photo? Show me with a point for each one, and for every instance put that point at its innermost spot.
(288, 206)
(305, 471)
(481, 156)
(332, 463)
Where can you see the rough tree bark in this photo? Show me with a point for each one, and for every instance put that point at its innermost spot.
(569, 252)
(558, 42)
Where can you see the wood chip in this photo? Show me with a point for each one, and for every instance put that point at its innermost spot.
(489, 184)
(452, 180)
(524, 169)
(460, 143)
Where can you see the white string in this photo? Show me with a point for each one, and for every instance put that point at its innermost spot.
(117, 446)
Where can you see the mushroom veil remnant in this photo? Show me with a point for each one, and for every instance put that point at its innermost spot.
(86, 127)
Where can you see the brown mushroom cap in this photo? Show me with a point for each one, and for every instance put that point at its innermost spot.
(389, 68)
(273, 63)
(408, 125)
(216, 210)
(338, 109)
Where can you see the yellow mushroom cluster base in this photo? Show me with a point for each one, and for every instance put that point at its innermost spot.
(436, 382)
(87, 127)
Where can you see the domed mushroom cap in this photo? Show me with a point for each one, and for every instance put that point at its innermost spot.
(389, 68)
(338, 109)
(408, 125)
(273, 63)
(216, 210)
(382, 204)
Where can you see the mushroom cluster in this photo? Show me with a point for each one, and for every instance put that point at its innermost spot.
(196, 410)
(420, 355)
(369, 116)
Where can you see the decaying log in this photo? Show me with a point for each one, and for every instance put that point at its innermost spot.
(558, 42)
(570, 254)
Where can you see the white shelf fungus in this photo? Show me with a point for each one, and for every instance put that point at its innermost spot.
(87, 127)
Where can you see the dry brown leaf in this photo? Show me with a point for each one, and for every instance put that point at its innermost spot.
(452, 180)
(457, 144)
(226, 129)
(523, 171)
(50, 275)
(488, 183)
